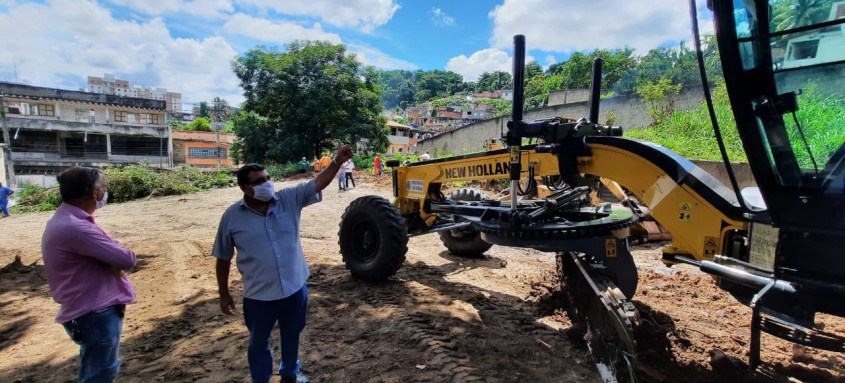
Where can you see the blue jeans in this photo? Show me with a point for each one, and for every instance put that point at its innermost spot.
(98, 336)
(341, 180)
(4, 206)
(261, 317)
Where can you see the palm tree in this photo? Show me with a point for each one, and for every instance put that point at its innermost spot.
(789, 14)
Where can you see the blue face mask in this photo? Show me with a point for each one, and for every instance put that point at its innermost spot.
(263, 192)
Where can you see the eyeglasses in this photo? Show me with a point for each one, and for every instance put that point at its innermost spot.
(260, 181)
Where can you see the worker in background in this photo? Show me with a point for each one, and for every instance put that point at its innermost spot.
(264, 228)
(341, 179)
(325, 161)
(5, 192)
(377, 167)
(84, 268)
(348, 166)
(425, 156)
(302, 166)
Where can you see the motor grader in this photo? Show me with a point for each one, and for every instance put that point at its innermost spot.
(776, 248)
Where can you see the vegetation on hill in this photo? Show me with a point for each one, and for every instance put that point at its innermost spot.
(623, 73)
(690, 132)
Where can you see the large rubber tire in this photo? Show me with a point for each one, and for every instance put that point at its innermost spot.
(373, 239)
(465, 242)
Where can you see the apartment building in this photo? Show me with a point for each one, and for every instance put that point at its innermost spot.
(108, 84)
(50, 129)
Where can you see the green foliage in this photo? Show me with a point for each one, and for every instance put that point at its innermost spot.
(489, 81)
(32, 198)
(437, 83)
(250, 144)
(128, 183)
(660, 95)
(501, 107)
(202, 124)
(141, 181)
(817, 113)
(788, 14)
(283, 170)
(690, 132)
(204, 111)
(400, 120)
(363, 163)
(306, 100)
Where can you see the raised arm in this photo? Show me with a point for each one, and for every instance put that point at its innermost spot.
(325, 178)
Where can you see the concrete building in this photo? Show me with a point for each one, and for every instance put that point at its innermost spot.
(51, 129)
(200, 148)
(108, 84)
(402, 138)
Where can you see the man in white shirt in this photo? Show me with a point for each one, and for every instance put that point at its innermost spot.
(347, 167)
(425, 156)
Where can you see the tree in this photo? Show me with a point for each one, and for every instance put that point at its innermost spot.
(490, 81)
(204, 110)
(309, 97)
(790, 14)
(202, 124)
(533, 69)
(660, 95)
(436, 84)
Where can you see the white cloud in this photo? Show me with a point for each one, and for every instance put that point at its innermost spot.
(441, 19)
(204, 9)
(568, 25)
(485, 60)
(371, 56)
(60, 43)
(365, 15)
(278, 32)
(550, 60)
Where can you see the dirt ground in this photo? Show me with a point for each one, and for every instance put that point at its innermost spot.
(442, 319)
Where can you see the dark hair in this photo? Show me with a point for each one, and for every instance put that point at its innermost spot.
(243, 172)
(77, 182)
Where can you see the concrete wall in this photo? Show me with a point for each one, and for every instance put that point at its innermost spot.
(630, 112)
(3, 178)
(742, 171)
(73, 126)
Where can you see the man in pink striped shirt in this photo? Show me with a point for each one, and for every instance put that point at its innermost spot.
(84, 268)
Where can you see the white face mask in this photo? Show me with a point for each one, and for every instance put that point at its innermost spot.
(263, 192)
(102, 202)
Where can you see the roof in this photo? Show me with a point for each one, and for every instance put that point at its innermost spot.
(41, 93)
(394, 124)
(201, 136)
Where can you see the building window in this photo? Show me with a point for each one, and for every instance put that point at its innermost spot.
(46, 110)
(120, 116)
(206, 153)
(804, 50)
(147, 118)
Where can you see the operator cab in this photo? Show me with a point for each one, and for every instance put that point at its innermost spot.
(784, 66)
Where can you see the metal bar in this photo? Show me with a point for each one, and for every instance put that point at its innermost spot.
(515, 135)
(595, 91)
(438, 229)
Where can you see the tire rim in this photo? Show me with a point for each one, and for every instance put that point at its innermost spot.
(368, 242)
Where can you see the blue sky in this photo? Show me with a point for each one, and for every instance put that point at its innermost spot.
(186, 45)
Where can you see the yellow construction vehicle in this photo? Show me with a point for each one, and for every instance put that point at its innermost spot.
(776, 248)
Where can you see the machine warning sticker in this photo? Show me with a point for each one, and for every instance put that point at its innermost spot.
(414, 185)
(710, 246)
(685, 212)
(610, 248)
